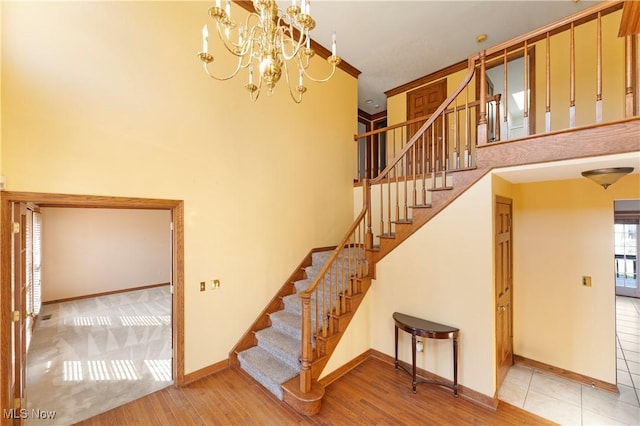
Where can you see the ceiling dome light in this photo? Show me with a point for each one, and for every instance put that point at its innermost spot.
(607, 177)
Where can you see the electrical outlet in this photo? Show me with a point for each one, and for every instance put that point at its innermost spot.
(215, 284)
(419, 346)
(203, 286)
(586, 281)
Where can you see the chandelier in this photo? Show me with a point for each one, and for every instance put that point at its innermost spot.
(271, 42)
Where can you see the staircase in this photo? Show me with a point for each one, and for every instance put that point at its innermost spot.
(290, 342)
(270, 351)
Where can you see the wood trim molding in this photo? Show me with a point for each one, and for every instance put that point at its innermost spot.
(86, 201)
(105, 293)
(341, 371)
(437, 75)
(570, 375)
(205, 371)
(464, 392)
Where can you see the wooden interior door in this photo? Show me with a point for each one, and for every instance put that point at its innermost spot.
(503, 287)
(423, 102)
(19, 329)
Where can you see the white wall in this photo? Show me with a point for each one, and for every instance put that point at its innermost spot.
(91, 251)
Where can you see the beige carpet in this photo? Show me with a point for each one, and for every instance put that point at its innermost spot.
(95, 354)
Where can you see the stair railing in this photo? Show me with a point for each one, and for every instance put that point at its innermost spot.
(446, 142)
(326, 298)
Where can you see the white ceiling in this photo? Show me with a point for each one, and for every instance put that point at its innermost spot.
(395, 42)
(571, 169)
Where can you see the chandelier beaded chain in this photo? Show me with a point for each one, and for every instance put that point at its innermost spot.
(270, 41)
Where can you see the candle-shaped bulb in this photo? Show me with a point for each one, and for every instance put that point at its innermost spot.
(205, 39)
(303, 6)
(308, 12)
(293, 3)
(218, 3)
(308, 41)
(250, 74)
(333, 44)
(300, 77)
(227, 8)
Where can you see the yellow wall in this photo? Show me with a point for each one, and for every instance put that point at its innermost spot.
(109, 98)
(562, 231)
(443, 273)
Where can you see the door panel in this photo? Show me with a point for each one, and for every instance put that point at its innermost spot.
(420, 103)
(503, 288)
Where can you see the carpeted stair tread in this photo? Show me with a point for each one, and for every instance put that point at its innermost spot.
(268, 370)
(284, 347)
(287, 322)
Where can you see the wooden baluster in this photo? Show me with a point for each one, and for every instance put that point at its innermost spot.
(445, 154)
(599, 68)
(572, 78)
(505, 90)
(482, 119)
(366, 188)
(629, 75)
(525, 112)
(388, 200)
(397, 187)
(467, 132)
(414, 176)
(406, 207)
(456, 141)
(497, 116)
(307, 350)
(547, 113)
(433, 157)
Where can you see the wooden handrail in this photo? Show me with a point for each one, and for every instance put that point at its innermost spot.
(560, 25)
(426, 155)
(428, 123)
(459, 108)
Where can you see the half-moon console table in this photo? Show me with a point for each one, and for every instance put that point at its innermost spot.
(432, 330)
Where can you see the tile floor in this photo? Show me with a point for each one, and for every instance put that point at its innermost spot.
(571, 403)
(97, 353)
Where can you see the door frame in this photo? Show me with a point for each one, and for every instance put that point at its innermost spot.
(176, 208)
(502, 200)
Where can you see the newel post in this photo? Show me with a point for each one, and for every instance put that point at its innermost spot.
(307, 350)
(482, 108)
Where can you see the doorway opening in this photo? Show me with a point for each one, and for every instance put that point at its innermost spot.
(13, 391)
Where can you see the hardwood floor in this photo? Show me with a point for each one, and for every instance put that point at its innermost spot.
(372, 393)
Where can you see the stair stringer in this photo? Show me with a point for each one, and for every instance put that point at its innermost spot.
(462, 180)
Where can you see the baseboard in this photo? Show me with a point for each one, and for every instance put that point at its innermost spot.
(106, 293)
(570, 375)
(464, 392)
(206, 371)
(336, 374)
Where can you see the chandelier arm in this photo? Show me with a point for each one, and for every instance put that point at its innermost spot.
(229, 77)
(296, 45)
(295, 99)
(333, 60)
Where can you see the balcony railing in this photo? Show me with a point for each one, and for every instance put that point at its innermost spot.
(571, 73)
(415, 158)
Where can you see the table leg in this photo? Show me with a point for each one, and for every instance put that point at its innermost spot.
(396, 362)
(413, 359)
(455, 367)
